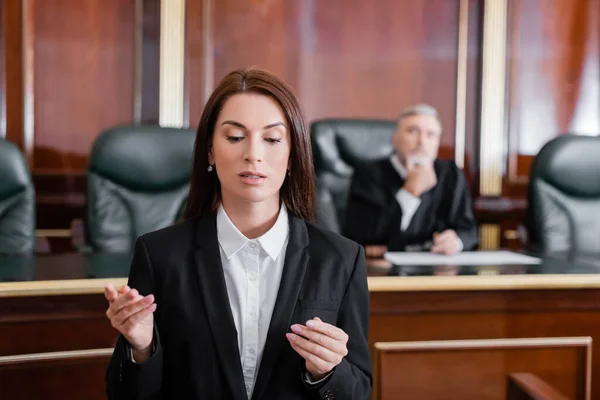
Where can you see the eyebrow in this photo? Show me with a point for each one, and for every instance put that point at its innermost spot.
(242, 126)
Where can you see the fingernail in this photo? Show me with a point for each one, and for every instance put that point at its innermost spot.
(311, 323)
(297, 328)
(290, 336)
(149, 298)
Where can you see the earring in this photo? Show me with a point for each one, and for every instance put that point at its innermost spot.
(210, 168)
(289, 173)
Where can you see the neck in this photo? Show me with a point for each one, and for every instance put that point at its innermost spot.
(251, 218)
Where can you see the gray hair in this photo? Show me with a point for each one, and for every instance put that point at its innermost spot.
(419, 109)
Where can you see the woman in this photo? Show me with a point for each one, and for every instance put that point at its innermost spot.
(246, 298)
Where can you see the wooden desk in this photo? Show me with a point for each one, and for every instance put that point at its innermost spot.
(42, 309)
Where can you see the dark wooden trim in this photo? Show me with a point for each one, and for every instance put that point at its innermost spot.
(12, 27)
(473, 109)
(508, 301)
(150, 61)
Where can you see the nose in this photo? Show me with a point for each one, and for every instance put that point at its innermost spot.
(254, 151)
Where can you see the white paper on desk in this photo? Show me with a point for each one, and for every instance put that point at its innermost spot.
(464, 258)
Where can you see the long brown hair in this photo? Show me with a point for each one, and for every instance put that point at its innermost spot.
(298, 189)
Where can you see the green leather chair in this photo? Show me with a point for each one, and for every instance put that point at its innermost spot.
(137, 182)
(17, 202)
(338, 146)
(564, 196)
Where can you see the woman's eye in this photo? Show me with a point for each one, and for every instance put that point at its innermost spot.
(234, 139)
(273, 141)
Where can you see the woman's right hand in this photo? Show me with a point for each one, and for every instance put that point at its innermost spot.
(132, 315)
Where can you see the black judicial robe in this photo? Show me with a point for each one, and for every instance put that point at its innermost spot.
(373, 215)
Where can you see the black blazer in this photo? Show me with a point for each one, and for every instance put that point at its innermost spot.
(373, 215)
(196, 353)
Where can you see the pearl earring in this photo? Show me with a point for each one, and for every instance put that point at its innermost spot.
(210, 168)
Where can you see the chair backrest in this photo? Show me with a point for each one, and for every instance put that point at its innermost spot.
(338, 146)
(564, 196)
(481, 369)
(17, 202)
(137, 182)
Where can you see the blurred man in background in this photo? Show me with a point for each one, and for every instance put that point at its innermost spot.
(412, 201)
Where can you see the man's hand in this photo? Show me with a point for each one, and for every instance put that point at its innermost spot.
(445, 242)
(420, 177)
(375, 251)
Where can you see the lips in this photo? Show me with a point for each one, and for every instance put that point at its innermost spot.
(252, 175)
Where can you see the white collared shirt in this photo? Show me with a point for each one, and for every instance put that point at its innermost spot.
(253, 270)
(409, 203)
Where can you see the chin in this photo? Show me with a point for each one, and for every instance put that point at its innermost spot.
(255, 195)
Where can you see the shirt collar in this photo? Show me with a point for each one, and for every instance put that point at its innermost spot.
(397, 164)
(232, 240)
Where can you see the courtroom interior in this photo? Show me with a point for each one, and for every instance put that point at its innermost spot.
(455, 143)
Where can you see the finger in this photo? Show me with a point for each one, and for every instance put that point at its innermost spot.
(327, 329)
(124, 289)
(445, 248)
(126, 312)
(327, 342)
(319, 360)
(139, 316)
(438, 248)
(110, 292)
(442, 240)
(443, 237)
(369, 250)
(124, 300)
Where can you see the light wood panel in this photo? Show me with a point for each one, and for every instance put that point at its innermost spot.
(82, 75)
(553, 67)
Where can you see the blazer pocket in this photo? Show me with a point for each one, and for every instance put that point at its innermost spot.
(318, 304)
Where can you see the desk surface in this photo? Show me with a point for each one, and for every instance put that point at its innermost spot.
(76, 273)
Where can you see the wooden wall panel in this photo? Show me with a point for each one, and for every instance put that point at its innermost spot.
(345, 58)
(12, 69)
(553, 67)
(83, 74)
(71, 69)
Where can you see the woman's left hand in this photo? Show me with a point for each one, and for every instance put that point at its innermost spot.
(322, 345)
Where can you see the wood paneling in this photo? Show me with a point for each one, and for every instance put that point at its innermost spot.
(77, 375)
(68, 323)
(71, 69)
(526, 386)
(422, 316)
(75, 322)
(479, 368)
(553, 61)
(471, 167)
(12, 67)
(83, 74)
(345, 58)
(150, 61)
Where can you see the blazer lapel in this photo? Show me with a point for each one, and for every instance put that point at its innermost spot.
(216, 302)
(296, 260)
